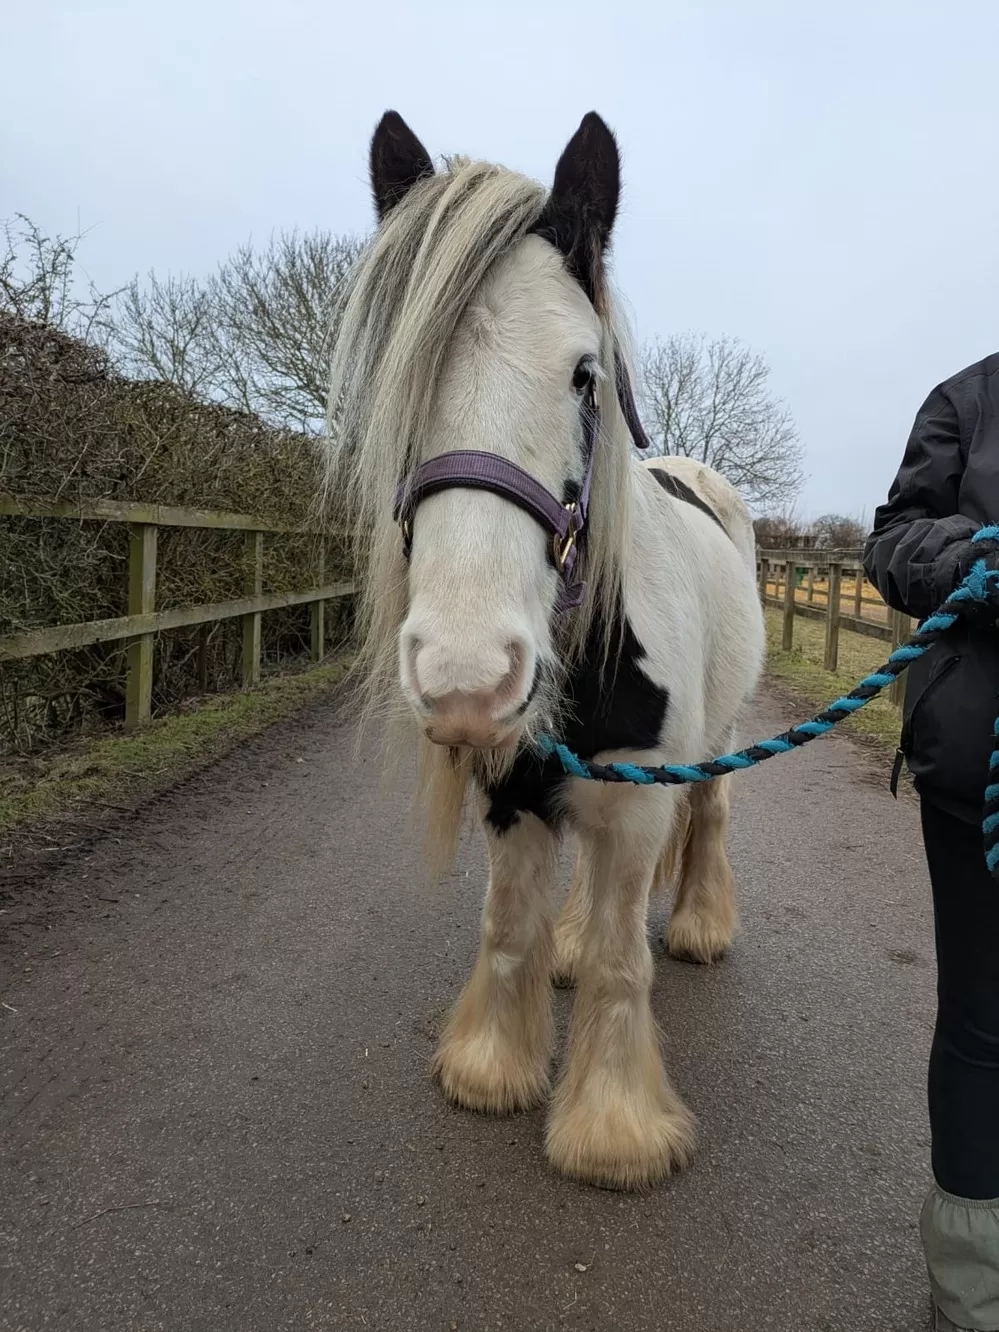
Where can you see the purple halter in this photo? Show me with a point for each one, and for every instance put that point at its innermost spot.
(564, 521)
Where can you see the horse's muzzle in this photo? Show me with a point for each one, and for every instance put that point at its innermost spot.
(487, 716)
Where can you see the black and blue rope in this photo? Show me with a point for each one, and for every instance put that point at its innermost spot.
(976, 597)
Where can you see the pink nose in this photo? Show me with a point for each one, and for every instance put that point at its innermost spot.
(483, 717)
(477, 719)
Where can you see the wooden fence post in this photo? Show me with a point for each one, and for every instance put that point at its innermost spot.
(832, 614)
(764, 578)
(811, 583)
(858, 592)
(901, 631)
(203, 633)
(318, 611)
(141, 601)
(253, 587)
(790, 580)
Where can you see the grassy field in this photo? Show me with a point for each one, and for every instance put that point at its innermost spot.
(803, 675)
(120, 771)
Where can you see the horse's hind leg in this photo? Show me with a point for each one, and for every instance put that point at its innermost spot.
(705, 919)
(495, 1049)
(672, 857)
(572, 922)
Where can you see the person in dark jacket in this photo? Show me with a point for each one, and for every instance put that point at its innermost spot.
(919, 550)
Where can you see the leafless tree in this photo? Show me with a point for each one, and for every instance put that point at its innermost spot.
(166, 329)
(837, 531)
(38, 279)
(253, 335)
(782, 530)
(274, 314)
(712, 401)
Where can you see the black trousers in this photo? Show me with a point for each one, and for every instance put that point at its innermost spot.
(964, 1059)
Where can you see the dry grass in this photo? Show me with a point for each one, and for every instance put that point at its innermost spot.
(872, 607)
(802, 672)
(116, 771)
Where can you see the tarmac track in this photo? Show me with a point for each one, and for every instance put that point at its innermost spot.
(216, 1025)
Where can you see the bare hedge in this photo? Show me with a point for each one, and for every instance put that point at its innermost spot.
(72, 428)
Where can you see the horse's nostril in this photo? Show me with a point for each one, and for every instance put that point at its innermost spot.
(512, 687)
(412, 645)
(529, 699)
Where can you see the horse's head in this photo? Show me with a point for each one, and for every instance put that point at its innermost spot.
(479, 321)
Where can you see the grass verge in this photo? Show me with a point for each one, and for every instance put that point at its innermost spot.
(120, 771)
(801, 672)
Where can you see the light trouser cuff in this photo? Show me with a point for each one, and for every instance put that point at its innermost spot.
(961, 1243)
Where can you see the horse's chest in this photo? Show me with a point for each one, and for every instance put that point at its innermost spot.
(618, 708)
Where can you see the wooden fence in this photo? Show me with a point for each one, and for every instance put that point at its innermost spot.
(809, 583)
(805, 583)
(143, 621)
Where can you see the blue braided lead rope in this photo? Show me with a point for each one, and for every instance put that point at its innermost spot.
(979, 589)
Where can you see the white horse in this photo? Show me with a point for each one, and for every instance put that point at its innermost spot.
(522, 574)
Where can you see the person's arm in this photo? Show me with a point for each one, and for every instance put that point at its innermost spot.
(920, 547)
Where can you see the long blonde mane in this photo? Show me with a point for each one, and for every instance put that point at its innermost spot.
(395, 320)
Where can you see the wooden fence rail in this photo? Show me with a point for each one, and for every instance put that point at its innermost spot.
(791, 571)
(143, 621)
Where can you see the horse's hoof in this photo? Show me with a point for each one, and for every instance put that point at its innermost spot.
(692, 937)
(621, 1141)
(476, 1073)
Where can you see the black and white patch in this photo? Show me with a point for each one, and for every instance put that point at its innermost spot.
(681, 491)
(606, 708)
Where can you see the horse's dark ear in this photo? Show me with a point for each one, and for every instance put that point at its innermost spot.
(398, 160)
(579, 215)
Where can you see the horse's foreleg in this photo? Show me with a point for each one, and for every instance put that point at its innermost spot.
(615, 1119)
(705, 919)
(494, 1052)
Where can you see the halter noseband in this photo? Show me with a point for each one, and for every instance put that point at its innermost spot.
(565, 521)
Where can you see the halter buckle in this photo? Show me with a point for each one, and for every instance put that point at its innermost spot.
(564, 546)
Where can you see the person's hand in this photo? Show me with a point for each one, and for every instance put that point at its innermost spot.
(981, 579)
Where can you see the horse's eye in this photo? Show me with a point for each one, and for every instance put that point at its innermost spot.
(582, 376)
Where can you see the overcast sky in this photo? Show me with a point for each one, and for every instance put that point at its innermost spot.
(820, 181)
